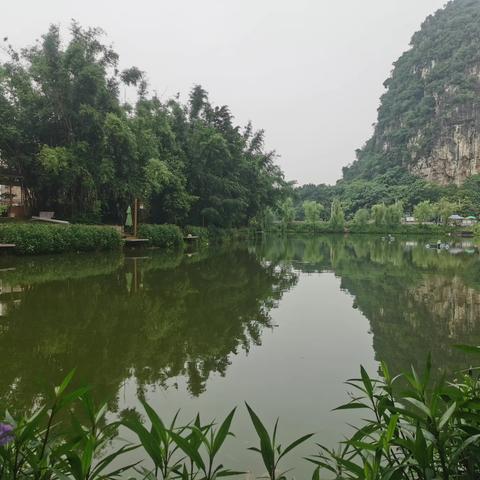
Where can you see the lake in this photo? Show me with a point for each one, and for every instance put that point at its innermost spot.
(280, 323)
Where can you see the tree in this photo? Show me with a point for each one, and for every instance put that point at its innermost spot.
(337, 216)
(444, 208)
(379, 213)
(361, 218)
(312, 211)
(81, 151)
(287, 212)
(394, 214)
(268, 219)
(424, 211)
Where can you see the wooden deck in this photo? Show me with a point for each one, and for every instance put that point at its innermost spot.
(50, 220)
(132, 241)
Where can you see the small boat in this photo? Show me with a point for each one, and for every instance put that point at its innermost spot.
(438, 246)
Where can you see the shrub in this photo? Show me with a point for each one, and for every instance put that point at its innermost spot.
(224, 235)
(318, 228)
(164, 236)
(200, 232)
(419, 229)
(431, 430)
(33, 238)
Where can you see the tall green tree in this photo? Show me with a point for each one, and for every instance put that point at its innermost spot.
(424, 211)
(337, 216)
(312, 211)
(379, 213)
(287, 212)
(80, 151)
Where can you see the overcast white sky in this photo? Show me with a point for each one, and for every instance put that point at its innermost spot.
(309, 72)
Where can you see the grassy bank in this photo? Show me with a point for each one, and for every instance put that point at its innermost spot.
(429, 430)
(35, 238)
(325, 228)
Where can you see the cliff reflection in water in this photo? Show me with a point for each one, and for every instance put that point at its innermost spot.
(154, 318)
(416, 300)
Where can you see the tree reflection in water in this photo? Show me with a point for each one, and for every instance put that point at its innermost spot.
(154, 318)
(416, 300)
(158, 318)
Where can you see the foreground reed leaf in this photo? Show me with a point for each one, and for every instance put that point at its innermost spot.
(270, 451)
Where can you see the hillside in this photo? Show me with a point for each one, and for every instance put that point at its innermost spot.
(429, 117)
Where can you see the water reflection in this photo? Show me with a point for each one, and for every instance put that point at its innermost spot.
(155, 318)
(417, 300)
(160, 318)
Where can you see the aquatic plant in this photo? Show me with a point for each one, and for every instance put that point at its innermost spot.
(430, 430)
(416, 428)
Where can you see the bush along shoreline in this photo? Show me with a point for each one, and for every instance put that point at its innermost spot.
(417, 428)
(34, 239)
(37, 239)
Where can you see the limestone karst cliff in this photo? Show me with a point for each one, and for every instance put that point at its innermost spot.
(429, 117)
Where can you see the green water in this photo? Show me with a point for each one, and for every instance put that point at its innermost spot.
(280, 324)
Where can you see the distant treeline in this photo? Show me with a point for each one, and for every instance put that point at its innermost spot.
(392, 187)
(78, 150)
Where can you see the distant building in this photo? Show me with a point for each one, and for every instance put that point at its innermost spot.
(455, 219)
(12, 195)
(469, 221)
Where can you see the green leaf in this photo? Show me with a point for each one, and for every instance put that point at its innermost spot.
(367, 382)
(447, 415)
(468, 349)
(222, 433)
(421, 453)
(146, 439)
(295, 444)
(156, 421)
(66, 381)
(352, 406)
(189, 450)
(417, 404)
(266, 447)
(392, 425)
(72, 396)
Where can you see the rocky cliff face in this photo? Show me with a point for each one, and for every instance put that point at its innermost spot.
(429, 117)
(455, 152)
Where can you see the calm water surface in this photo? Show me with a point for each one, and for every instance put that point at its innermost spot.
(280, 324)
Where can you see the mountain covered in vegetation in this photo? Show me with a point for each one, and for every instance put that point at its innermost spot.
(429, 117)
(426, 142)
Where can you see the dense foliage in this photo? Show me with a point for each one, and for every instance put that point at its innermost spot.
(83, 154)
(429, 430)
(427, 218)
(34, 238)
(165, 236)
(394, 186)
